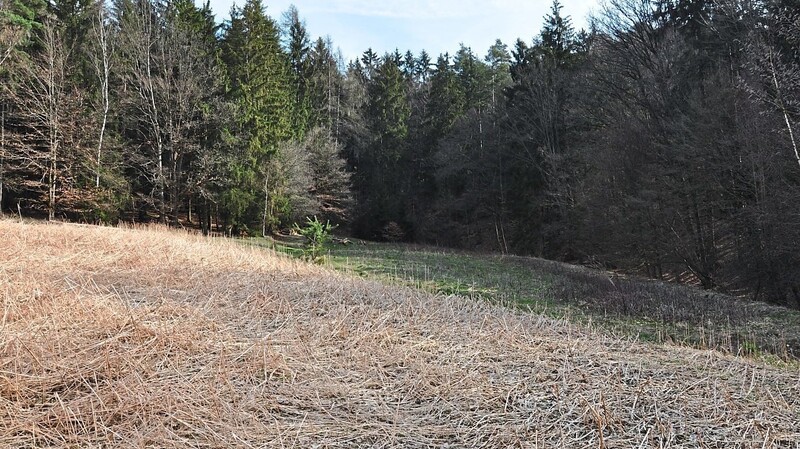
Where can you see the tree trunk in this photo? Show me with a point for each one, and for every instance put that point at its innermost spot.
(161, 184)
(174, 177)
(53, 101)
(782, 106)
(2, 154)
(796, 293)
(148, 83)
(100, 145)
(103, 70)
(266, 205)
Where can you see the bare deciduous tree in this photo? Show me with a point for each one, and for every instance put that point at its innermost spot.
(171, 79)
(138, 41)
(101, 60)
(46, 106)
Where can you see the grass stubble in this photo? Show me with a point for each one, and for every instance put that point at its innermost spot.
(148, 338)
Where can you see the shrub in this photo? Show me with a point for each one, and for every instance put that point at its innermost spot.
(317, 235)
(393, 232)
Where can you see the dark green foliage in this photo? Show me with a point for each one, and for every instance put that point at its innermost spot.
(422, 67)
(388, 108)
(379, 179)
(445, 99)
(298, 47)
(324, 84)
(26, 14)
(473, 77)
(261, 89)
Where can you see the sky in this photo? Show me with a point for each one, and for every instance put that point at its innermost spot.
(437, 26)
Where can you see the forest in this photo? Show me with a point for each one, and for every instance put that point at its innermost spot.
(661, 141)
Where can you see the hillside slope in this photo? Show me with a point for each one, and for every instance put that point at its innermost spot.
(148, 338)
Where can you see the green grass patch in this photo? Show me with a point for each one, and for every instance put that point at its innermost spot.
(628, 306)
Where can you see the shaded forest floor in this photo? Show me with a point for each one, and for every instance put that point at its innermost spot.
(152, 338)
(649, 310)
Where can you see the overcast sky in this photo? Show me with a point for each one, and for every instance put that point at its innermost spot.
(437, 26)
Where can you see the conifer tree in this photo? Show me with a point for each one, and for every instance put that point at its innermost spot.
(369, 63)
(445, 101)
(558, 38)
(18, 18)
(473, 77)
(422, 67)
(262, 90)
(325, 84)
(388, 107)
(499, 62)
(409, 65)
(379, 176)
(298, 47)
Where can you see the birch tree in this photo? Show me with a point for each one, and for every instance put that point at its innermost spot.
(100, 56)
(139, 36)
(46, 108)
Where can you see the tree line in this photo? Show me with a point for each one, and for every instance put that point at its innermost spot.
(662, 140)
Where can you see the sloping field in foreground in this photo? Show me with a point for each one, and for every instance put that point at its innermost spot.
(142, 338)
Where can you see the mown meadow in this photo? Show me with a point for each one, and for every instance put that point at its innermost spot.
(628, 306)
(152, 338)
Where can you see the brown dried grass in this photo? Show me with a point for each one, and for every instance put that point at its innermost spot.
(150, 338)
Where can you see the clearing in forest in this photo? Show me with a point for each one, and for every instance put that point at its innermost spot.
(149, 338)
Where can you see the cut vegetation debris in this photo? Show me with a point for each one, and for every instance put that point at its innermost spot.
(149, 338)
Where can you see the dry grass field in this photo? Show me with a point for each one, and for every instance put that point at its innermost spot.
(140, 338)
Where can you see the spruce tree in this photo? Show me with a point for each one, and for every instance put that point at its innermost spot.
(422, 66)
(445, 101)
(18, 19)
(388, 107)
(378, 180)
(558, 38)
(473, 77)
(298, 47)
(262, 90)
(324, 87)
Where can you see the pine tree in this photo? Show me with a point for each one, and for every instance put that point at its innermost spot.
(369, 63)
(409, 65)
(474, 78)
(18, 18)
(388, 107)
(25, 14)
(499, 62)
(422, 67)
